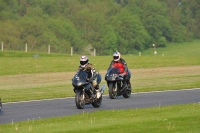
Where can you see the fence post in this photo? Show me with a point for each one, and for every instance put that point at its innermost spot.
(94, 52)
(49, 49)
(1, 46)
(71, 51)
(26, 47)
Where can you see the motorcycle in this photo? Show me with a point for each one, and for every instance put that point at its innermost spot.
(85, 93)
(0, 105)
(115, 84)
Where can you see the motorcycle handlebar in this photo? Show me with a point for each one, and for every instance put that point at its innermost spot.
(120, 78)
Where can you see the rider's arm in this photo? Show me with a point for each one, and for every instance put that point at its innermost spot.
(92, 70)
(111, 64)
(125, 65)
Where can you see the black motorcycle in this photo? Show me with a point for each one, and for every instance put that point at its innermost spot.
(0, 105)
(115, 84)
(85, 92)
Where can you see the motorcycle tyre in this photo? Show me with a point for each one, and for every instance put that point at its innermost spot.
(97, 102)
(127, 94)
(112, 93)
(0, 105)
(80, 102)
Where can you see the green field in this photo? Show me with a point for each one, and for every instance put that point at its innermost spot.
(13, 63)
(177, 49)
(24, 77)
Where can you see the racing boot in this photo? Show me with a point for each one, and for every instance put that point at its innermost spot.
(97, 87)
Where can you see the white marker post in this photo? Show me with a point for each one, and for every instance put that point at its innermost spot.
(26, 47)
(71, 51)
(49, 49)
(1, 46)
(94, 52)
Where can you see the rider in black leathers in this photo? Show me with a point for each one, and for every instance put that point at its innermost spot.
(93, 75)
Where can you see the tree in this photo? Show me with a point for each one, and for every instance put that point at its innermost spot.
(132, 34)
(155, 20)
(124, 25)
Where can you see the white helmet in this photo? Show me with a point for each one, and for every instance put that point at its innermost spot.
(116, 56)
(84, 61)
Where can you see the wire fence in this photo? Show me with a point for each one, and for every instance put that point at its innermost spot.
(45, 49)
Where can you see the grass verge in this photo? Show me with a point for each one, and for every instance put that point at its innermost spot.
(177, 118)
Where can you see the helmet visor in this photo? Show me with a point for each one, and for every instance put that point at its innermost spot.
(83, 62)
(115, 57)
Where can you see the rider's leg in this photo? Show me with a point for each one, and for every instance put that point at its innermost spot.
(125, 82)
(97, 81)
(127, 78)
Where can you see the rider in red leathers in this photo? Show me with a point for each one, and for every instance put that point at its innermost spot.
(120, 63)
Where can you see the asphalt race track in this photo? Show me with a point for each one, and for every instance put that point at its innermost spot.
(32, 110)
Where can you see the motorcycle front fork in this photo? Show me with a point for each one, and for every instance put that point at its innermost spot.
(120, 85)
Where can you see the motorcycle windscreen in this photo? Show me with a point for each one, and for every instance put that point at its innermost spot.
(80, 79)
(112, 74)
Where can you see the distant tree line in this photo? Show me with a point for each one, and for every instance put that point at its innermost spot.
(107, 25)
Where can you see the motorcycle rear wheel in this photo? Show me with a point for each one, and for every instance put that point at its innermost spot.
(79, 100)
(112, 90)
(127, 94)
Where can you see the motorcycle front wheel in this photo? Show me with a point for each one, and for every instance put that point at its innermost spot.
(112, 90)
(80, 100)
(97, 102)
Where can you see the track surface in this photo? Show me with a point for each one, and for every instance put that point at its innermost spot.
(23, 111)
